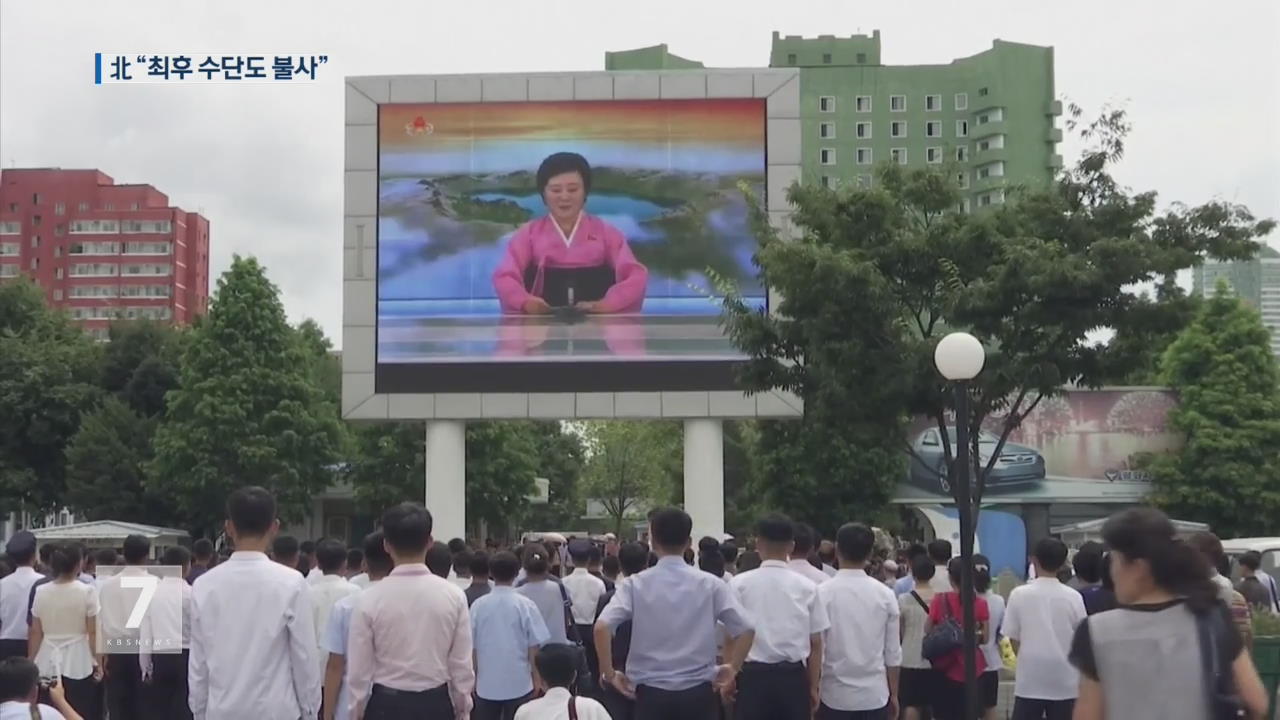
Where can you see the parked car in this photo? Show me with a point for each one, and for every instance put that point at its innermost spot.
(1017, 464)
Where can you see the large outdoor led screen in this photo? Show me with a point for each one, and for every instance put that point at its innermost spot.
(556, 246)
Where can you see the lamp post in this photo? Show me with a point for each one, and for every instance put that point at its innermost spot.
(959, 358)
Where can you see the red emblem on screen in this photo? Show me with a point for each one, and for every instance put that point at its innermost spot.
(418, 126)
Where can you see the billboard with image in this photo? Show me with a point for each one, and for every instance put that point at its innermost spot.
(1078, 447)
(556, 246)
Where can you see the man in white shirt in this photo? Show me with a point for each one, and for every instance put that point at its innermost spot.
(164, 667)
(253, 643)
(333, 642)
(1041, 620)
(804, 540)
(779, 680)
(284, 550)
(307, 559)
(422, 667)
(557, 666)
(862, 648)
(940, 553)
(584, 591)
(15, 593)
(331, 559)
(461, 570)
(123, 673)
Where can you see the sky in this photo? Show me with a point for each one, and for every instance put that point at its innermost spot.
(264, 162)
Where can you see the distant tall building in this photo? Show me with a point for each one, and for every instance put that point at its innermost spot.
(989, 116)
(103, 251)
(1256, 282)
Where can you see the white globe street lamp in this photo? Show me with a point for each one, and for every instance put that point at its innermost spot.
(959, 357)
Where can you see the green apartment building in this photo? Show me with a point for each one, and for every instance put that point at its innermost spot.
(989, 118)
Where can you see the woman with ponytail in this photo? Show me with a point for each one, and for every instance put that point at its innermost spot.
(1144, 659)
(61, 641)
(989, 681)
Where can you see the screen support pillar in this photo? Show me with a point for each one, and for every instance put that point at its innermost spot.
(704, 476)
(446, 487)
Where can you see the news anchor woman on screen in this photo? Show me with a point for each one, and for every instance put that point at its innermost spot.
(568, 258)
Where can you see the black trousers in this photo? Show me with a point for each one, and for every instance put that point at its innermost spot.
(826, 713)
(166, 694)
(619, 706)
(12, 648)
(585, 632)
(697, 703)
(497, 709)
(124, 686)
(389, 704)
(1031, 709)
(772, 691)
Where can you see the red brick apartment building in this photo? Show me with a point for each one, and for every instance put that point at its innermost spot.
(103, 251)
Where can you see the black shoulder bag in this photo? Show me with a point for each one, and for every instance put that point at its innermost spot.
(945, 637)
(1224, 702)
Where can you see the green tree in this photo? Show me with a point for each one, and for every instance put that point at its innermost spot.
(1228, 471)
(324, 366)
(877, 276)
(630, 464)
(248, 411)
(387, 464)
(47, 380)
(106, 463)
(560, 460)
(140, 364)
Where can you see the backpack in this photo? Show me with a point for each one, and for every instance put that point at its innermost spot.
(944, 638)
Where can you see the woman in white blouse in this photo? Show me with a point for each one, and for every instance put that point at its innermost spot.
(62, 637)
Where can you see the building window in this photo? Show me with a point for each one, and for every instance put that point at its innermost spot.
(58, 273)
(791, 58)
(57, 294)
(60, 229)
(933, 155)
(826, 182)
(962, 153)
(35, 221)
(83, 207)
(146, 226)
(982, 92)
(898, 129)
(897, 103)
(147, 248)
(985, 200)
(826, 130)
(8, 271)
(60, 209)
(35, 241)
(863, 156)
(827, 103)
(864, 181)
(933, 128)
(962, 101)
(862, 103)
(962, 128)
(108, 206)
(10, 249)
(94, 270)
(862, 58)
(10, 228)
(94, 227)
(826, 58)
(134, 206)
(35, 263)
(933, 103)
(862, 130)
(828, 156)
(57, 251)
(95, 291)
(899, 155)
(964, 206)
(984, 173)
(35, 198)
(94, 248)
(962, 179)
(150, 291)
(984, 145)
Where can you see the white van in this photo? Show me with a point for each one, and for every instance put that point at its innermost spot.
(1269, 547)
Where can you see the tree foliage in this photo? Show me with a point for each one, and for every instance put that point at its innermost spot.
(106, 461)
(47, 380)
(248, 411)
(140, 364)
(1228, 471)
(629, 464)
(877, 276)
(560, 460)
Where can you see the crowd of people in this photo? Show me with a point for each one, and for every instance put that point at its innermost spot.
(1147, 626)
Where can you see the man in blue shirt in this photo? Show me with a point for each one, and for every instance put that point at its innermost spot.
(507, 629)
(337, 705)
(672, 669)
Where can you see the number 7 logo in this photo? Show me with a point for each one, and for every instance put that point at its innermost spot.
(148, 585)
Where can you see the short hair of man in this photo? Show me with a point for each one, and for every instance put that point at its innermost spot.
(284, 547)
(729, 549)
(854, 542)
(594, 556)
(940, 552)
(923, 569)
(479, 565)
(671, 529)
(308, 547)
(633, 557)
(355, 558)
(18, 678)
(610, 565)
(457, 545)
(557, 664)
(330, 556)
(439, 560)
(916, 550)
(1251, 560)
(105, 556)
(1050, 554)
(175, 556)
(376, 557)
(136, 549)
(1088, 562)
(775, 528)
(804, 539)
(504, 567)
(462, 562)
(408, 528)
(202, 549)
(251, 510)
